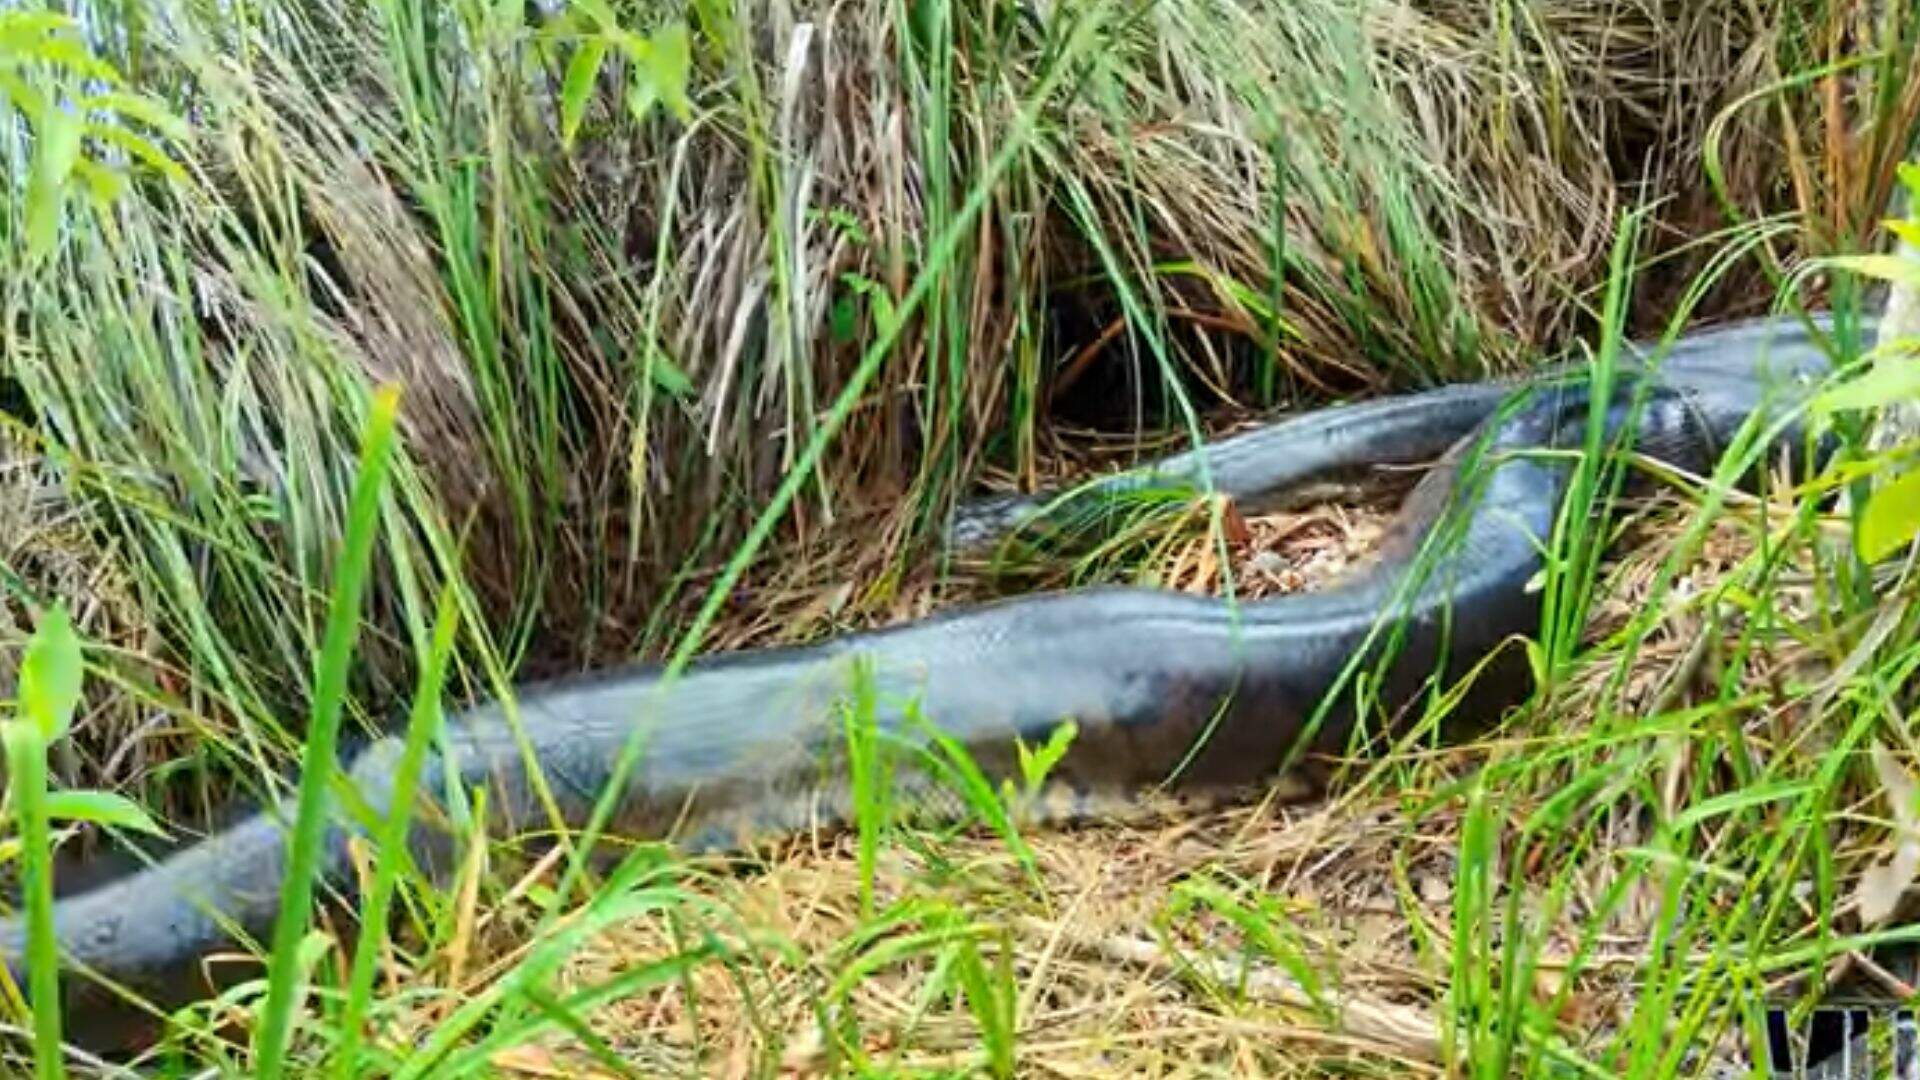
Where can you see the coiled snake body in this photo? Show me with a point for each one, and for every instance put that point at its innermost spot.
(1193, 692)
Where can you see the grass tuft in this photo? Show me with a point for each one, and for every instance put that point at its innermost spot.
(706, 317)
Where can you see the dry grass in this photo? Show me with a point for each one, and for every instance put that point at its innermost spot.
(52, 549)
(1122, 968)
(1105, 986)
(1308, 934)
(612, 355)
(1119, 969)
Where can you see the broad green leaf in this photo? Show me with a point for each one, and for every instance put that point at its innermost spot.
(1893, 268)
(100, 808)
(640, 99)
(1891, 518)
(56, 148)
(50, 674)
(672, 65)
(1896, 378)
(582, 72)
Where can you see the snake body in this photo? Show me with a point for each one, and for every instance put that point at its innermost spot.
(1189, 692)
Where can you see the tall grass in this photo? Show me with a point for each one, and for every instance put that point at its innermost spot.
(656, 362)
(657, 295)
(311, 822)
(393, 834)
(1713, 805)
(50, 684)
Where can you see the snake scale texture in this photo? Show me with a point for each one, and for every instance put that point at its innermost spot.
(1168, 691)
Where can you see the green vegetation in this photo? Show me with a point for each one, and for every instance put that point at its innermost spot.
(50, 677)
(704, 317)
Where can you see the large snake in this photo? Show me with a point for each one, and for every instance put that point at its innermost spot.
(1167, 690)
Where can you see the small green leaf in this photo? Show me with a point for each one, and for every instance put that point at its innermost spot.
(50, 674)
(1892, 379)
(671, 66)
(582, 72)
(637, 48)
(56, 149)
(1008, 793)
(1891, 518)
(667, 375)
(844, 321)
(878, 301)
(100, 808)
(848, 225)
(1036, 766)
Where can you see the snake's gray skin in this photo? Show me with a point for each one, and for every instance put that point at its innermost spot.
(747, 745)
(1288, 463)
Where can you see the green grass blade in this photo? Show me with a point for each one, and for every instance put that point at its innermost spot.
(27, 766)
(393, 833)
(309, 827)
